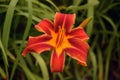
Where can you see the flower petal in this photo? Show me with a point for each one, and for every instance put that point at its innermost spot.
(57, 62)
(38, 48)
(79, 33)
(38, 39)
(64, 20)
(45, 26)
(78, 44)
(80, 56)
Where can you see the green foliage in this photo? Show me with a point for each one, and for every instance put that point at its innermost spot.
(17, 19)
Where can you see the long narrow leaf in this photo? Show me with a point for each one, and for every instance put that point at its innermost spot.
(42, 66)
(29, 74)
(53, 5)
(2, 73)
(7, 25)
(8, 22)
(100, 64)
(24, 37)
(4, 55)
(108, 56)
(94, 63)
(111, 22)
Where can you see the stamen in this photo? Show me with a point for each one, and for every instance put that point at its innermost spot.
(60, 36)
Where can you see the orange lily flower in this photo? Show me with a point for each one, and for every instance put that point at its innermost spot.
(61, 38)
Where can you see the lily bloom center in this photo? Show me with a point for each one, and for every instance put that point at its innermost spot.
(60, 37)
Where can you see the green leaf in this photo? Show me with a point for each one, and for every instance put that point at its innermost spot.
(29, 74)
(42, 65)
(6, 29)
(94, 63)
(76, 2)
(4, 55)
(3, 73)
(110, 7)
(57, 9)
(108, 52)
(8, 22)
(29, 22)
(111, 22)
(100, 64)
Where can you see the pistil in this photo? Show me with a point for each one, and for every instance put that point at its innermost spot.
(60, 36)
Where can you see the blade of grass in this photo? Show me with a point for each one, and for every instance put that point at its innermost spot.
(91, 3)
(100, 64)
(4, 55)
(77, 8)
(37, 77)
(29, 74)
(57, 9)
(93, 45)
(24, 37)
(27, 15)
(111, 22)
(30, 63)
(60, 76)
(42, 6)
(56, 75)
(110, 7)
(94, 63)
(42, 66)
(8, 22)
(11, 56)
(7, 26)
(77, 76)
(102, 24)
(3, 73)
(101, 5)
(76, 2)
(108, 56)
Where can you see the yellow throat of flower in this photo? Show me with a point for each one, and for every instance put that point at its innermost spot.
(60, 37)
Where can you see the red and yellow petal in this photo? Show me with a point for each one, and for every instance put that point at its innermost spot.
(38, 48)
(78, 55)
(79, 44)
(79, 33)
(57, 62)
(38, 39)
(64, 20)
(45, 26)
